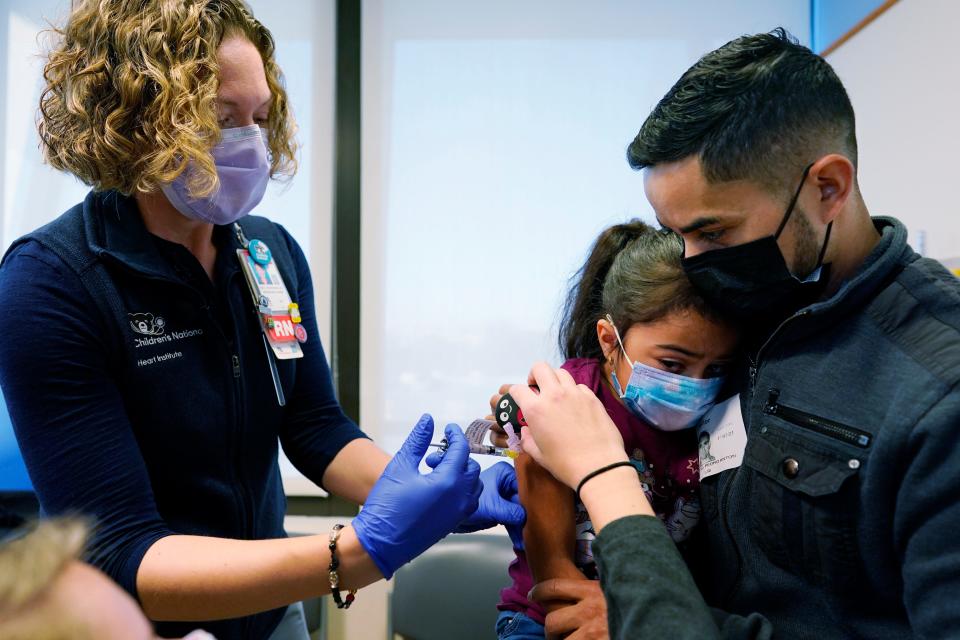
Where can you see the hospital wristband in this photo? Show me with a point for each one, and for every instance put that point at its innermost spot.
(601, 470)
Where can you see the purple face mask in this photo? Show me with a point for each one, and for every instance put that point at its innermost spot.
(243, 168)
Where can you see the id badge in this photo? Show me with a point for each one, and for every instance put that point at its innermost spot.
(279, 317)
(722, 438)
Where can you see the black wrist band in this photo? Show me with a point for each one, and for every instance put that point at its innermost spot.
(594, 474)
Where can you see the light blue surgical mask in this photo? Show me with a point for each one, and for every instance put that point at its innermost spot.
(667, 401)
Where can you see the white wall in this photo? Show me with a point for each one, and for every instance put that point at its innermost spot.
(33, 192)
(304, 31)
(900, 72)
(494, 138)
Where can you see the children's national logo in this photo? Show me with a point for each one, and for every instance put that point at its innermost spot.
(145, 324)
(153, 332)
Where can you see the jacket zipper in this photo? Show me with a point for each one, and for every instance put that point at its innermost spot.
(753, 369)
(236, 370)
(239, 490)
(755, 360)
(246, 502)
(728, 599)
(823, 426)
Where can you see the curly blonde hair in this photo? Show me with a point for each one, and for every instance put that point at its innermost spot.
(131, 88)
(31, 565)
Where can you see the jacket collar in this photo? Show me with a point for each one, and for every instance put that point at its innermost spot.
(115, 229)
(880, 268)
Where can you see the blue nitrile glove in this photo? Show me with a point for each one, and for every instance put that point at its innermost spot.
(499, 502)
(406, 511)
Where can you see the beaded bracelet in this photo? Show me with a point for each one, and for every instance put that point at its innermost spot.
(334, 576)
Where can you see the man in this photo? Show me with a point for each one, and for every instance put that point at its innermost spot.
(46, 593)
(841, 519)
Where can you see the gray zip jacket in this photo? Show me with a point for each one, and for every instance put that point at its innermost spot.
(844, 519)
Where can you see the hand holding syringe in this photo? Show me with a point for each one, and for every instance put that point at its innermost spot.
(507, 414)
(476, 432)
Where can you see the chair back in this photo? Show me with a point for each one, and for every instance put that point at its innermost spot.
(452, 590)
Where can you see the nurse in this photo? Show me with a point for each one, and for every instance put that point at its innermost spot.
(158, 340)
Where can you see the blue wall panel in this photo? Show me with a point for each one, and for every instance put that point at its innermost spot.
(13, 475)
(830, 19)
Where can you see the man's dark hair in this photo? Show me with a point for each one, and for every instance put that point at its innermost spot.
(759, 108)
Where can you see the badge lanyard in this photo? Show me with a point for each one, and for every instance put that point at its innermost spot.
(277, 315)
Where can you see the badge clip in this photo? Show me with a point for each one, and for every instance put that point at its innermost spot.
(272, 305)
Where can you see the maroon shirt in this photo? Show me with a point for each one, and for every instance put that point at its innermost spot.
(666, 462)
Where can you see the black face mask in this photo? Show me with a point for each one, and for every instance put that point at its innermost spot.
(751, 282)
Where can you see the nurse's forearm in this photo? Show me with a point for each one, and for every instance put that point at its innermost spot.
(355, 470)
(190, 578)
(613, 495)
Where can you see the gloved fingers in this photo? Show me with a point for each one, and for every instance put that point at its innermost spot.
(458, 451)
(471, 479)
(506, 479)
(472, 473)
(416, 443)
(471, 476)
(510, 514)
(509, 510)
(433, 459)
(516, 536)
(506, 510)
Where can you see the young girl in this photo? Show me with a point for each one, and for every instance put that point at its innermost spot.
(636, 333)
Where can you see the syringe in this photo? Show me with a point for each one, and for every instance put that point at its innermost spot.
(476, 433)
(481, 449)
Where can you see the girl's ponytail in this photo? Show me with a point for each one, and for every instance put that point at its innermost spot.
(584, 303)
(635, 274)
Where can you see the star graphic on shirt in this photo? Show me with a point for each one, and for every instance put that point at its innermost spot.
(693, 465)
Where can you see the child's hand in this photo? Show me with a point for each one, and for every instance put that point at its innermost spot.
(498, 437)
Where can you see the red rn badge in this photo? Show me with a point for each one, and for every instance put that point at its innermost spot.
(282, 329)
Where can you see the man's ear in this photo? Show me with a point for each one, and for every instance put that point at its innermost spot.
(607, 337)
(835, 179)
